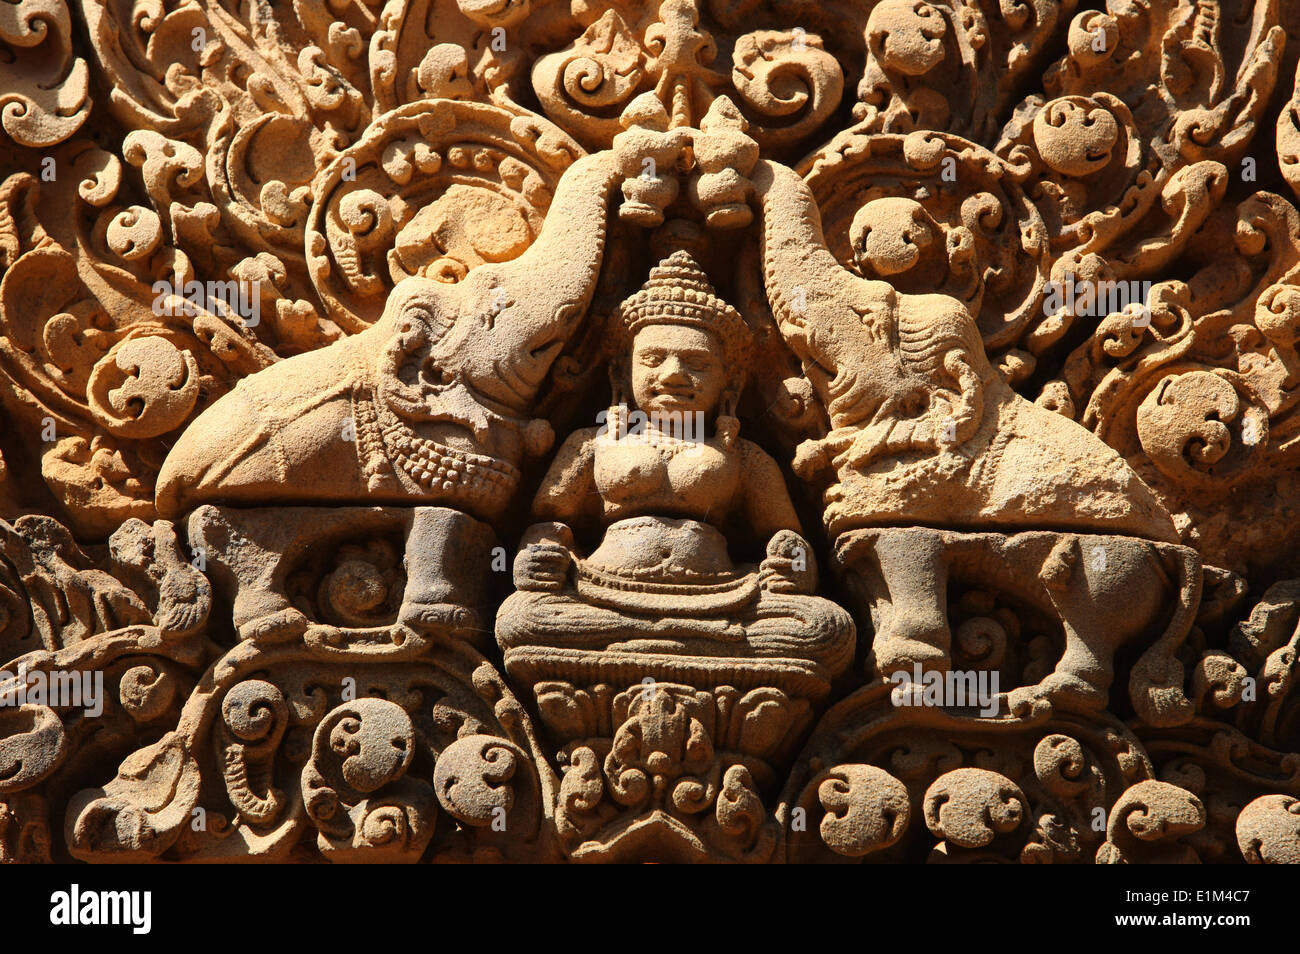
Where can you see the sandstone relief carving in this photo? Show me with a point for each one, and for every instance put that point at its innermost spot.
(650, 431)
(655, 659)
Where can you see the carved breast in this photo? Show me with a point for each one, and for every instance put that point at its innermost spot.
(641, 476)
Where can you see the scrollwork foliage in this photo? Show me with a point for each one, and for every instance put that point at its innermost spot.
(921, 213)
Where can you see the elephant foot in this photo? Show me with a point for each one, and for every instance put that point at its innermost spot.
(1060, 688)
(893, 653)
(434, 619)
(1156, 690)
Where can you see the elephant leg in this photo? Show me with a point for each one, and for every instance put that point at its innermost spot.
(912, 618)
(1081, 679)
(1106, 591)
(1156, 682)
(448, 554)
(1084, 673)
(249, 554)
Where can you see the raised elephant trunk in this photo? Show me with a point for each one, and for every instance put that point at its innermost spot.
(803, 278)
(558, 272)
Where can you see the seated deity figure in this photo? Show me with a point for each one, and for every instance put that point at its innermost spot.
(941, 470)
(666, 483)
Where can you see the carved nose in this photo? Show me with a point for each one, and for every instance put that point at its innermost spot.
(673, 371)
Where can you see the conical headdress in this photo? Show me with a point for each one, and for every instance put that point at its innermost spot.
(678, 292)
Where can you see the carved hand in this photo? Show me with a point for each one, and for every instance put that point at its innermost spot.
(545, 555)
(789, 566)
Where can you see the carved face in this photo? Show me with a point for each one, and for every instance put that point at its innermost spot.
(676, 368)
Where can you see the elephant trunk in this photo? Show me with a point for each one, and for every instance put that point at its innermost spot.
(803, 279)
(560, 269)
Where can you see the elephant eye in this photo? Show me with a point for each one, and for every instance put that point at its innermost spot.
(416, 318)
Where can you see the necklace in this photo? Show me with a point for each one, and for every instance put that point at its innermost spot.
(437, 466)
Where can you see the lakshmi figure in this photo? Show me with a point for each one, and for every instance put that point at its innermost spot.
(668, 496)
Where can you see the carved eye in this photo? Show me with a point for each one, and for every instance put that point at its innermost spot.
(416, 317)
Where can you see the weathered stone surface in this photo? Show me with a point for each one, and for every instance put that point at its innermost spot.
(649, 431)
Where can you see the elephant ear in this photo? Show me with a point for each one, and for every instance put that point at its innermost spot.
(940, 345)
(421, 306)
(956, 411)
